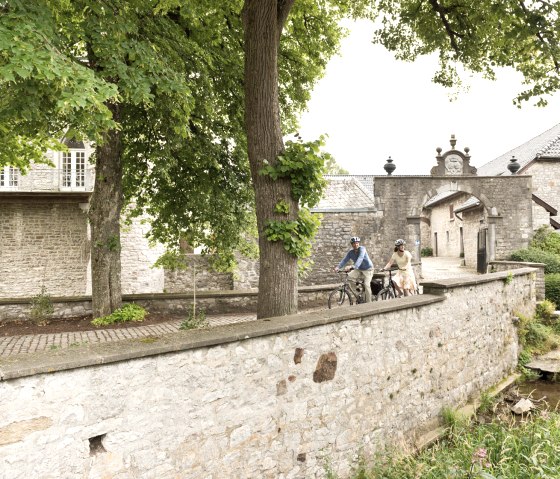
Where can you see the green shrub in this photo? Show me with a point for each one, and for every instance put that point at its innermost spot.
(426, 252)
(532, 255)
(546, 239)
(195, 320)
(544, 312)
(552, 288)
(129, 312)
(41, 307)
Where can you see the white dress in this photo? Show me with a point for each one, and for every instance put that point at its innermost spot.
(404, 278)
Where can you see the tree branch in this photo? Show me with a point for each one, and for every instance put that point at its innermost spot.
(540, 36)
(283, 10)
(452, 34)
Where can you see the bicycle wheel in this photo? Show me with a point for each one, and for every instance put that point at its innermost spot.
(339, 297)
(386, 293)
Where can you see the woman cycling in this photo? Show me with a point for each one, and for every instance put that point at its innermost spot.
(405, 281)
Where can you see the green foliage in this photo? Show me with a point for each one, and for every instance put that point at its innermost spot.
(428, 251)
(486, 403)
(535, 337)
(532, 255)
(509, 278)
(282, 207)
(495, 450)
(453, 420)
(552, 287)
(546, 239)
(333, 168)
(481, 37)
(304, 165)
(196, 319)
(41, 307)
(129, 312)
(296, 235)
(544, 312)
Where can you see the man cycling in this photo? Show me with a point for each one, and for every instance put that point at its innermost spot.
(362, 268)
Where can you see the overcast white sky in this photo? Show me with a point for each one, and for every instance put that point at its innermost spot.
(373, 106)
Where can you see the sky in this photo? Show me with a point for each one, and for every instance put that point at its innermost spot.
(373, 106)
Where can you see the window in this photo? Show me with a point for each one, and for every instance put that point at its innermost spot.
(74, 169)
(9, 177)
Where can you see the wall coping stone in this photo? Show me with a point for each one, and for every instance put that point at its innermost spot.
(512, 262)
(111, 352)
(204, 294)
(470, 280)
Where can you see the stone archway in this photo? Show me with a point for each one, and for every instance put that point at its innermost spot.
(506, 201)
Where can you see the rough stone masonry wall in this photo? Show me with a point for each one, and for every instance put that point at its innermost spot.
(42, 242)
(276, 399)
(546, 181)
(332, 242)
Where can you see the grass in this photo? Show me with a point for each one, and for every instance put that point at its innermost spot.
(528, 450)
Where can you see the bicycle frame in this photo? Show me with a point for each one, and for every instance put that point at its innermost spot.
(344, 292)
(389, 290)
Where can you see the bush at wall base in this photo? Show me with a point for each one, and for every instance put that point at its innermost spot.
(129, 312)
(426, 252)
(552, 288)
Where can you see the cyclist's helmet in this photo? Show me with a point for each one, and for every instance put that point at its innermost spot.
(355, 239)
(400, 242)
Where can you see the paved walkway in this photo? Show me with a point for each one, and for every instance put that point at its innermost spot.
(12, 345)
(433, 268)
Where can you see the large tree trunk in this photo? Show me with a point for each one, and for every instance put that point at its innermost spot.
(104, 215)
(263, 21)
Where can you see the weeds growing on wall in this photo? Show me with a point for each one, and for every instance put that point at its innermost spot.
(129, 312)
(41, 308)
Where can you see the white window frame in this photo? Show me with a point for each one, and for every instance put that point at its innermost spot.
(73, 169)
(9, 177)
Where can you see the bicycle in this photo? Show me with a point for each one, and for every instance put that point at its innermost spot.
(343, 294)
(388, 291)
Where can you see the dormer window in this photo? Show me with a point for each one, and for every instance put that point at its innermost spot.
(9, 177)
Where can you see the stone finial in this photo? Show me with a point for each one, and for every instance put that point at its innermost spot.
(467, 149)
(389, 167)
(453, 142)
(439, 150)
(513, 166)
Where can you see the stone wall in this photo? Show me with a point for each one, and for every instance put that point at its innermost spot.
(446, 225)
(400, 200)
(495, 266)
(332, 242)
(43, 241)
(546, 181)
(197, 268)
(137, 259)
(173, 304)
(267, 399)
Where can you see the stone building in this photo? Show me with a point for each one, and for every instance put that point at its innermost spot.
(457, 218)
(457, 210)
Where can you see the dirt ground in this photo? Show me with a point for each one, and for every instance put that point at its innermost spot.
(83, 323)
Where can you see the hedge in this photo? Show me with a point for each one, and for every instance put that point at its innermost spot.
(552, 288)
(532, 255)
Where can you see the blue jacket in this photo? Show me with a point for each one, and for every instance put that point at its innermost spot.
(360, 258)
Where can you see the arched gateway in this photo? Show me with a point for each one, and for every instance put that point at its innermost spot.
(504, 202)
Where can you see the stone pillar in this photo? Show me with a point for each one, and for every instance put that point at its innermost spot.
(415, 239)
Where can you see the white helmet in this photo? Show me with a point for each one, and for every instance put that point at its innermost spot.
(400, 242)
(355, 239)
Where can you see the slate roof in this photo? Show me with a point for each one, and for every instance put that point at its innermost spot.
(347, 192)
(546, 145)
(470, 203)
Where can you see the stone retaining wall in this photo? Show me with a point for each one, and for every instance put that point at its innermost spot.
(494, 266)
(212, 302)
(276, 398)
